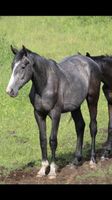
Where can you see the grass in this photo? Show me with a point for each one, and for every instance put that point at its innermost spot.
(52, 37)
(100, 175)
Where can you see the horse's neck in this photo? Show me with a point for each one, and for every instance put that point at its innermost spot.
(105, 65)
(98, 60)
(39, 78)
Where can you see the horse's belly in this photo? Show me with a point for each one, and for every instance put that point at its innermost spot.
(74, 97)
(72, 104)
(68, 107)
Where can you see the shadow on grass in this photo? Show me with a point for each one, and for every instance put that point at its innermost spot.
(67, 158)
(99, 151)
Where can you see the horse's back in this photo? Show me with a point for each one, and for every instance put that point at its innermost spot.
(79, 67)
(78, 70)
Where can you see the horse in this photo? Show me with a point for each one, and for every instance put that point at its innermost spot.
(57, 88)
(105, 64)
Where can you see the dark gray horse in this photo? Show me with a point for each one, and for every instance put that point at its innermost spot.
(105, 65)
(57, 88)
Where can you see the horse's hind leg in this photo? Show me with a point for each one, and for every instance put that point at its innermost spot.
(80, 126)
(93, 130)
(108, 147)
(55, 116)
(92, 101)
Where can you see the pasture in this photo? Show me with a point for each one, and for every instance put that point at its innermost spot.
(52, 37)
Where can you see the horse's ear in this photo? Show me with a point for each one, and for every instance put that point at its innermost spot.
(14, 50)
(25, 50)
(87, 54)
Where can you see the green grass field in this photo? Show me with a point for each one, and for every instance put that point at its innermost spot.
(52, 37)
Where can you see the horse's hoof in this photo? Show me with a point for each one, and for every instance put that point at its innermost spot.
(52, 176)
(103, 158)
(77, 162)
(53, 170)
(92, 165)
(43, 169)
(107, 153)
(40, 175)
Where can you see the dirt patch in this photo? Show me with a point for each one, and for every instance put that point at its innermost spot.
(67, 175)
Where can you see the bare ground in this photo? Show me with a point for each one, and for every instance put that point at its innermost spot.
(65, 175)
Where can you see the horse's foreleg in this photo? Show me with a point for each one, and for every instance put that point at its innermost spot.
(80, 126)
(108, 147)
(55, 116)
(41, 121)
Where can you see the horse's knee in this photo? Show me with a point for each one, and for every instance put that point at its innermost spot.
(43, 142)
(53, 142)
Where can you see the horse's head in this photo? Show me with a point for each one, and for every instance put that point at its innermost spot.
(21, 70)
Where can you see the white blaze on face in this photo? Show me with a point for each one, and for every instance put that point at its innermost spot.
(12, 79)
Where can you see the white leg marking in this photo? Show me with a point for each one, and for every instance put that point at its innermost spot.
(103, 158)
(53, 169)
(42, 171)
(92, 165)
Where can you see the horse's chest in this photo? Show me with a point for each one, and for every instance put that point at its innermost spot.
(38, 103)
(43, 104)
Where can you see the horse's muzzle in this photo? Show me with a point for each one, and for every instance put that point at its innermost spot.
(11, 92)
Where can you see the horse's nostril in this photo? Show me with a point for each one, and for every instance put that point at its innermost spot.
(10, 91)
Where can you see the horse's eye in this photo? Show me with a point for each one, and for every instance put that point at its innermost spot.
(23, 66)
